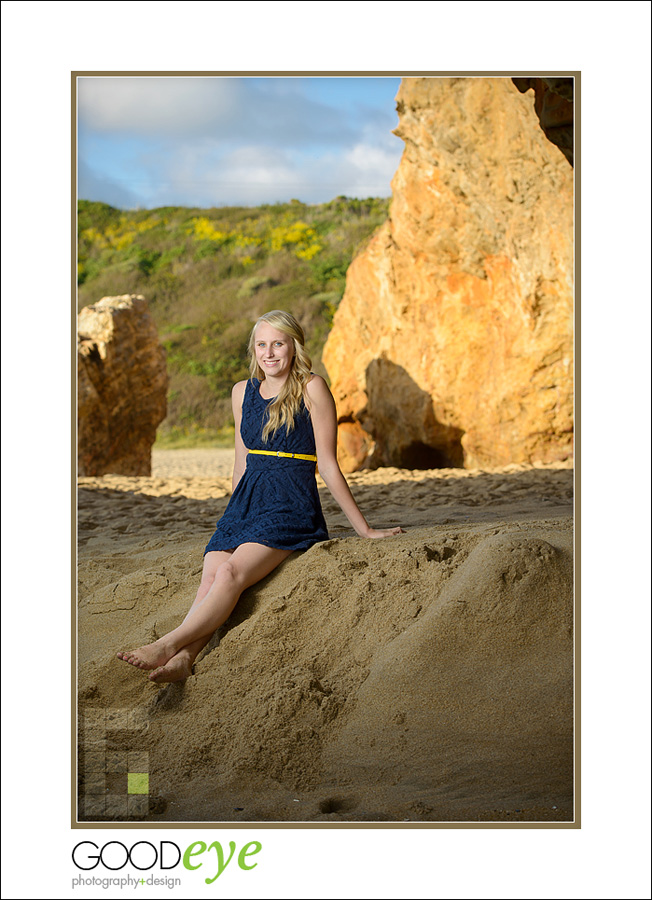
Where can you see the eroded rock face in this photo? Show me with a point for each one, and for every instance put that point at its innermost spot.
(453, 343)
(553, 103)
(122, 386)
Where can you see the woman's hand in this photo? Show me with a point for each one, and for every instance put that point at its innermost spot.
(384, 532)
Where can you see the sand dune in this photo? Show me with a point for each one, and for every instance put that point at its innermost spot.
(426, 677)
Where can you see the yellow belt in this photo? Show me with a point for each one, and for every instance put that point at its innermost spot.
(307, 456)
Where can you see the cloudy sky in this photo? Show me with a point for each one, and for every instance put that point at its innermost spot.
(212, 141)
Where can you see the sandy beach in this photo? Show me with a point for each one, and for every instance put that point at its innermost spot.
(423, 678)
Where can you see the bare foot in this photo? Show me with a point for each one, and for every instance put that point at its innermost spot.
(176, 669)
(151, 656)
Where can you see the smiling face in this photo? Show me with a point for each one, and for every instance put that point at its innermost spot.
(274, 351)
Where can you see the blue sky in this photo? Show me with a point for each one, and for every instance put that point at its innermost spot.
(214, 141)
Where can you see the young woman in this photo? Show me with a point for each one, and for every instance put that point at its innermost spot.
(285, 422)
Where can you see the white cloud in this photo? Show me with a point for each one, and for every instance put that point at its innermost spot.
(274, 110)
(200, 174)
(162, 106)
(249, 175)
(215, 141)
(371, 160)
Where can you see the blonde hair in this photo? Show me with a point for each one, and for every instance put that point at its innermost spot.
(283, 409)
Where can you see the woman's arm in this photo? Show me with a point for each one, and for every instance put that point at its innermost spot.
(237, 396)
(324, 423)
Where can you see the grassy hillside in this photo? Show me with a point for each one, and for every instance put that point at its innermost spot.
(209, 273)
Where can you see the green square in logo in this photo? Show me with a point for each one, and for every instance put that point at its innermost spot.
(137, 782)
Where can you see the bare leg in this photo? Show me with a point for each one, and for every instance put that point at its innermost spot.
(180, 666)
(246, 565)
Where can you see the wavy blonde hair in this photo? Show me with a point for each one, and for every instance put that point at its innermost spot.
(283, 409)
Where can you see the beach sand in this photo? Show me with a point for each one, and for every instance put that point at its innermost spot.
(422, 678)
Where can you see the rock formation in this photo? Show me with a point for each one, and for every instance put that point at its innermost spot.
(553, 104)
(453, 343)
(122, 386)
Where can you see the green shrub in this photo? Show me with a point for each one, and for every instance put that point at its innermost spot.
(209, 273)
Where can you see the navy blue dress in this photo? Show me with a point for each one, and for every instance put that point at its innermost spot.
(276, 502)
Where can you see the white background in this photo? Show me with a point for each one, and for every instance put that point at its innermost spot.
(609, 43)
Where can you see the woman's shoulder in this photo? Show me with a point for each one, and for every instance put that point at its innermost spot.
(238, 391)
(316, 384)
(317, 389)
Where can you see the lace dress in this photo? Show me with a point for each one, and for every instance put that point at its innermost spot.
(276, 502)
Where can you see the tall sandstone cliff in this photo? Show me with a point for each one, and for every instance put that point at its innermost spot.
(453, 345)
(121, 386)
